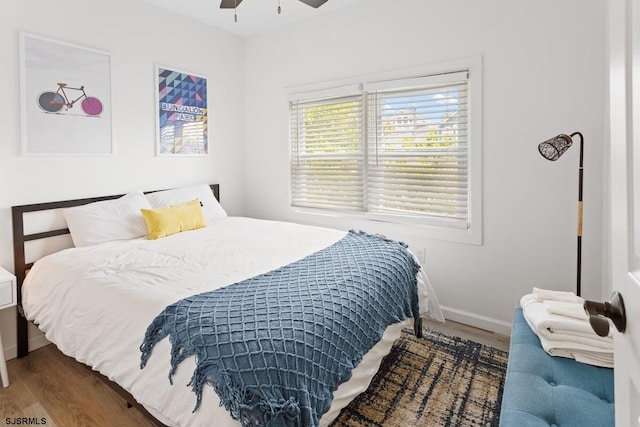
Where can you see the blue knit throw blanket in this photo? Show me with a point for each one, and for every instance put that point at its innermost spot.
(275, 347)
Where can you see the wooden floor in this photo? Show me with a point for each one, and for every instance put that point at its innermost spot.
(58, 391)
(469, 332)
(51, 386)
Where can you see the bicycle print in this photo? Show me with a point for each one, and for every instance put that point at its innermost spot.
(54, 102)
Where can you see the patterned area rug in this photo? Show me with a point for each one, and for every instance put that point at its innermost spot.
(439, 380)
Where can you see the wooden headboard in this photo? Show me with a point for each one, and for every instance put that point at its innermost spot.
(21, 266)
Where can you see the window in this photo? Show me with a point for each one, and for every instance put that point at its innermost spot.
(396, 150)
(328, 170)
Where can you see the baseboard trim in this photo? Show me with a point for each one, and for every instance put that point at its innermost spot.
(476, 320)
(35, 343)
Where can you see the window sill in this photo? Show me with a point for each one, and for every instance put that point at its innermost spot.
(430, 228)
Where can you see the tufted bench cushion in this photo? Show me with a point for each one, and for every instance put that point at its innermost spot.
(542, 390)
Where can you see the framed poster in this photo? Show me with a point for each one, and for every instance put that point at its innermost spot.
(65, 98)
(182, 126)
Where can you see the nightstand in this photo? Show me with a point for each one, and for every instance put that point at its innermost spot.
(7, 299)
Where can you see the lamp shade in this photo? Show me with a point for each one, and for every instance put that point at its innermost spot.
(553, 148)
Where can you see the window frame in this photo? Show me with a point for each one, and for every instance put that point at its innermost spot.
(432, 227)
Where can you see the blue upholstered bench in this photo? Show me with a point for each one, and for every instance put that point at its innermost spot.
(542, 390)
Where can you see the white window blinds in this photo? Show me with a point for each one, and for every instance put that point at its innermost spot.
(396, 148)
(327, 161)
(418, 147)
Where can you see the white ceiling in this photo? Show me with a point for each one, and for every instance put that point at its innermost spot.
(254, 16)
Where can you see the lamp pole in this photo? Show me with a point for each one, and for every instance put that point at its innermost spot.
(580, 179)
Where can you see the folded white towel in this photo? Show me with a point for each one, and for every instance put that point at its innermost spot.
(548, 295)
(580, 353)
(561, 328)
(571, 309)
(567, 336)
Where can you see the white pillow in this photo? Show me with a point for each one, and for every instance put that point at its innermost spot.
(210, 206)
(99, 222)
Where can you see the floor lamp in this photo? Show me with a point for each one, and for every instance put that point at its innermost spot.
(552, 149)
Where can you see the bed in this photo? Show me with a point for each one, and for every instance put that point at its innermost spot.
(96, 301)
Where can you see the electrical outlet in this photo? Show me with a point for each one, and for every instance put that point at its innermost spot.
(422, 255)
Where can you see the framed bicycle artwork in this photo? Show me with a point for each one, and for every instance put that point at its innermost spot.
(181, 113)
(65, 97)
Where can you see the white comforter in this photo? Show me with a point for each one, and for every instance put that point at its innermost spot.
(95, 304)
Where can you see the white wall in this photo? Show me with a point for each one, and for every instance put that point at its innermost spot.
(543, 67)
(137, 36)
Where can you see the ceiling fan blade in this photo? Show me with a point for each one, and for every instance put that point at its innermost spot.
(314, 3)
(229, 4)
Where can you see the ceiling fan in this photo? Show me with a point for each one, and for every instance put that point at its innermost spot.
(232, 4)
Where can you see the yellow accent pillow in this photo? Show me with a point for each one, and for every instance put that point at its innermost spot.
(172, 219)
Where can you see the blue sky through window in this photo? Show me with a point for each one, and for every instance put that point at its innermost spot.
(430, 105)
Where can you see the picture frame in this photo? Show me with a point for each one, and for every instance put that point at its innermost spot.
(181, 113)
(65, 98)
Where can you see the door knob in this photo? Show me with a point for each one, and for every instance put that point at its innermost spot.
(599, 312)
